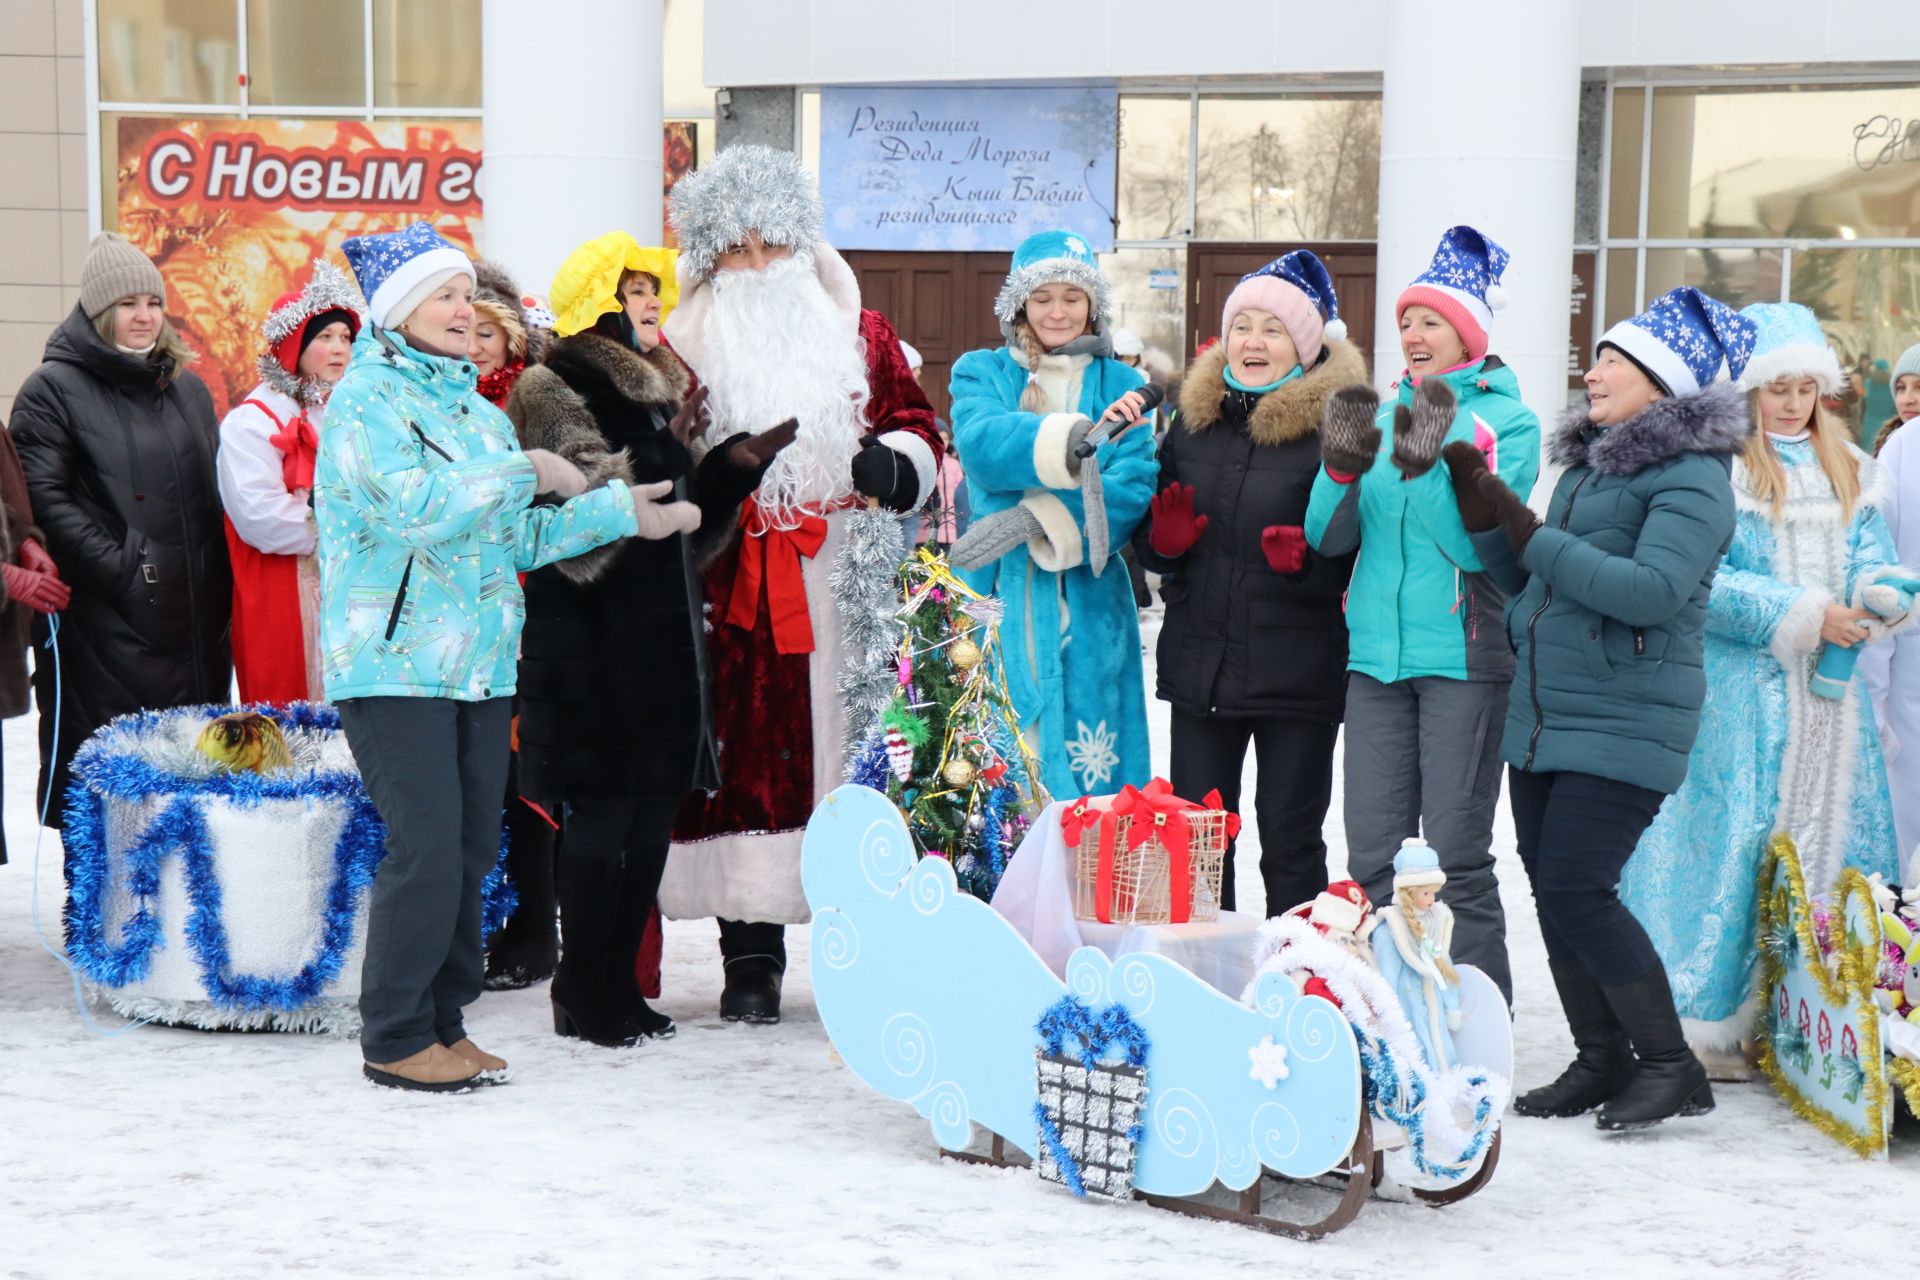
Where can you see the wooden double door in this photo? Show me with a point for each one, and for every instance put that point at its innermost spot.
(941, 303)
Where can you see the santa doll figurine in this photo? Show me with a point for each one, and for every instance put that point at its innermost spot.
(1411, 952)
(771, 324)
(1344, 916)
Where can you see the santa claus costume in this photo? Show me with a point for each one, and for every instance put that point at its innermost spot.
(265, 469)
(770, 322)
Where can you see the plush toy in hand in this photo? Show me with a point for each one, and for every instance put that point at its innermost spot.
(1411, 952)
(244, 742)
(1890, 599)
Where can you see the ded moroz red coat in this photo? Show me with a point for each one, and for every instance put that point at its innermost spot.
(778, 714)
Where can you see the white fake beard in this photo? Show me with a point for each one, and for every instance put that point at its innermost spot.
(777, 348)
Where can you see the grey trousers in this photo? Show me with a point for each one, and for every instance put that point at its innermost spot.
(435, 769)
(1423, 759)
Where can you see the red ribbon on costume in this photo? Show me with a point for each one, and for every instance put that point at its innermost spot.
(773, 556)
(298, 443)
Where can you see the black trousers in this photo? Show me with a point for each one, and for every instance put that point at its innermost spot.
(435, 769)
(1576, 832)
(612, 854)
(1293, 786)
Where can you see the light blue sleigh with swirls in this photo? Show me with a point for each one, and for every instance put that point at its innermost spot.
(931, 997)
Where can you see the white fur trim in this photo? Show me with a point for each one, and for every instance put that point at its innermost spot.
(1426, 876)
(1059, 547)
(1662, 360)
(1884, 627)
(1050, 450)
(1726, 1035)
(1806, 361)
(749, 876)
(1799, 631)
(1335, 912)
(394, 290)
(917, 451)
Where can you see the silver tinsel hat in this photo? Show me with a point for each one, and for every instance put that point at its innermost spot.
(1054, 257)
(329, 289)
(746, 188)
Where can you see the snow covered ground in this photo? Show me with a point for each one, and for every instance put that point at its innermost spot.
(742, 1151)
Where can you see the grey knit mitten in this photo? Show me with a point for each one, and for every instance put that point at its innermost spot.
(990, 537)
(1419, 432)
(1093, 502)
(1349, 442)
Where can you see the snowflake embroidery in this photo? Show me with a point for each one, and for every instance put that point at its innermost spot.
(1269, 1063)
(1091, 755)
(1076, 246)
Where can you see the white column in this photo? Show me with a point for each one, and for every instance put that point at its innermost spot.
(571, 97)
(1479, 124)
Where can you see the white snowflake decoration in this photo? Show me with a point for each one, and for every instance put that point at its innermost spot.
(1077, 247)
(1092, 755)
(1269, 1063)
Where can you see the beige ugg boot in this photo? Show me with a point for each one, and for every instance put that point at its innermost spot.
(435, 1069)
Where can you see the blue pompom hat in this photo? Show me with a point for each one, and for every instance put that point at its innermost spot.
(1463, 284)
(1054, 257)
(1789, 343)
(394, 268)
(1416, 866)
(1682, 339)
(1297, 288)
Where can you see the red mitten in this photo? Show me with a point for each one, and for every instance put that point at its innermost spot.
(1175, 528)
(37, 591)
(1285, 546)
(34, 556)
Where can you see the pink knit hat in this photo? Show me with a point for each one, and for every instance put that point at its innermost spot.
(1296, 288)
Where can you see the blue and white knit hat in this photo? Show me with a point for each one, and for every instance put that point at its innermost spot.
(1463, 285)
(1909, 362)
(1054, 257)
(1788, 342)
(1682, 339)
(397, 269)
(1416, 865)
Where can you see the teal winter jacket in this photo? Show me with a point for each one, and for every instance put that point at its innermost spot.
(421, 497)
(1609, 620)
(1420, 603)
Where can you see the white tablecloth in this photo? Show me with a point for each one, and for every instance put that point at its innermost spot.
(1036, 897)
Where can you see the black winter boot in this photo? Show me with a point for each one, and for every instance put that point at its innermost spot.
(586, 1002)
(752, 993)
(526, 950)
(639, 887)
(1668, 1080)
(1603, 1062)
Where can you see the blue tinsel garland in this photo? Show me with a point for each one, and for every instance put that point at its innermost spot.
(103, 768)
(1062, 1158)
(1384, 1085)
(1113, 1028)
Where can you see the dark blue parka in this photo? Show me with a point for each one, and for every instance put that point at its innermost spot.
(1609, 607)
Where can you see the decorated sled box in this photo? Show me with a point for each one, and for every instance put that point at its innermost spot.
(203, 896)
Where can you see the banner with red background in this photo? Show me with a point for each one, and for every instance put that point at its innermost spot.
(235, 211)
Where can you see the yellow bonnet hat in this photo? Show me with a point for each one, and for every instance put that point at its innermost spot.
(587, 284)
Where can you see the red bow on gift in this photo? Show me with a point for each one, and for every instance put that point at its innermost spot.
(1157, 814)
(1075, 820)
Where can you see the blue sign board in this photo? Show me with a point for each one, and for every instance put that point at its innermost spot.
(966, 168)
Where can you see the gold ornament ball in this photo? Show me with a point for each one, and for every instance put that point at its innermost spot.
(964, 654)
(960, 773)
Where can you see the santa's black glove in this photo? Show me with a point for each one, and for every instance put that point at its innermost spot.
(881, 472)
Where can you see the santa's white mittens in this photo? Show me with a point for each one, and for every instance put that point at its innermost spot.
(926, 468)
(1050, 444)
(1059, 546)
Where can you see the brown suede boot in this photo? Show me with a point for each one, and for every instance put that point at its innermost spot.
(435, 1069)
(490, 1064)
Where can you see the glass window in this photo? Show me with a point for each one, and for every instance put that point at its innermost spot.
(1623, 177)
(1621, 301)
(1149, 296)
(426, 53)
(1735, 276)
(1762, 162)
(1289, 168)
(169, 51)
(301, 54)
(1155, 140)
(1868, 301)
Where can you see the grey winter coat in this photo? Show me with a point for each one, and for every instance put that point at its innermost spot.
(1609, 627)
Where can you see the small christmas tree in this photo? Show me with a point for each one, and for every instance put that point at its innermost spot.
(947, 747)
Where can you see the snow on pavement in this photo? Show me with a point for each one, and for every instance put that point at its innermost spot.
(748, 1151)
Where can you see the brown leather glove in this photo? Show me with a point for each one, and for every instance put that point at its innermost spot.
(1515, 516)
(756, 451)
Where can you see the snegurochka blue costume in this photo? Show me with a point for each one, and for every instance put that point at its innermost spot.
(1041, 535)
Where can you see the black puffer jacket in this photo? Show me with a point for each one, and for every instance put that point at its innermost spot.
(1240, 639)
(118, 454)
(613, 694)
